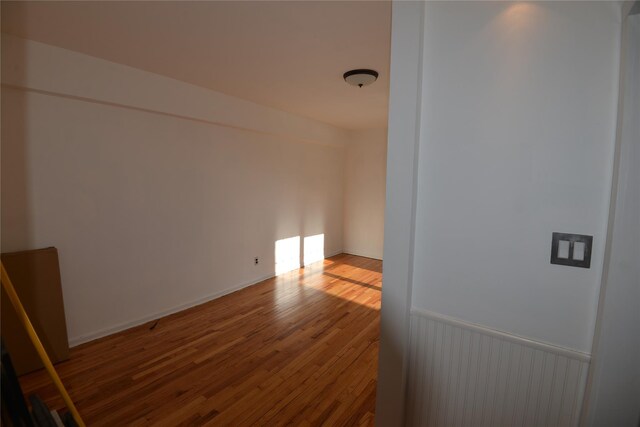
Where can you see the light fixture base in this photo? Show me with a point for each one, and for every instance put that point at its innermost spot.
(360, 77)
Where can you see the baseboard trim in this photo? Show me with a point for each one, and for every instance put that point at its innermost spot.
(82, 339)
(334, 253)
(362, 254)
(528, 342)
(74, 342)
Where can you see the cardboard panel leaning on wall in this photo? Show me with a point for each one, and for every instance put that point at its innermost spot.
(35, 275)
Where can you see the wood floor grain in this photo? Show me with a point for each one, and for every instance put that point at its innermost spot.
(298, 349)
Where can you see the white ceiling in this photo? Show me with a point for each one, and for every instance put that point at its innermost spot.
(288, 55)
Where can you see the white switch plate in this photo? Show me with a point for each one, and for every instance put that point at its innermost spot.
(563, 249)
(578, 251)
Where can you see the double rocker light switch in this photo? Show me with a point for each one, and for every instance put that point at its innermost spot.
(571, 249)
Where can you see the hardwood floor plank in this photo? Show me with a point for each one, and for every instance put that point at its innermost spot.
(297, 349)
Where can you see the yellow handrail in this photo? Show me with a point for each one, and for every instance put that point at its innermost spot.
(17, 305)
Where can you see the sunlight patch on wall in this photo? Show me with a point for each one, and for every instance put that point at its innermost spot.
(287, 254)
(313, 249)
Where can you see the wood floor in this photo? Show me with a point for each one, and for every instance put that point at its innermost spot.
(300, 349)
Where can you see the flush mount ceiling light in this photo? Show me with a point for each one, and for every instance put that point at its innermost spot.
(360, 77)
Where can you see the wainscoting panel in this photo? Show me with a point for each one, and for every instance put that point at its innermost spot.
(461, 374)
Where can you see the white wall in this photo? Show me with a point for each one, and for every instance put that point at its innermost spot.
(614, 398)
(517, 136)
(157, 194)
(364, 193)
(50, 69)
(402, 147)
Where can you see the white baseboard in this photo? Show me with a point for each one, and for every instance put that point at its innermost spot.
(333, 253)
(75, 341)
(462, 373)
(365, 254)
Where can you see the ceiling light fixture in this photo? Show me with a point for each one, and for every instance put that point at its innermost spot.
(361, 77)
